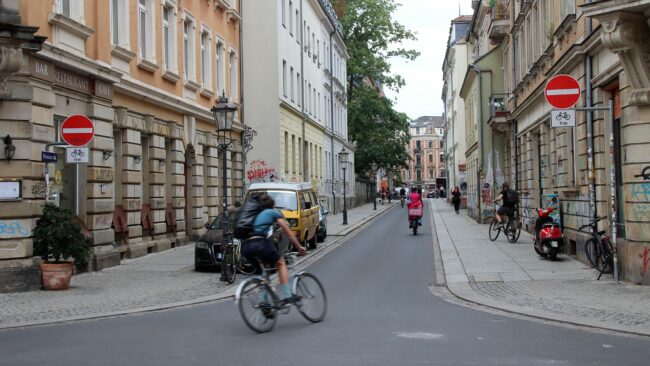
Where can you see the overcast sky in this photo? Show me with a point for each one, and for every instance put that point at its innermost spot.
(431, 20)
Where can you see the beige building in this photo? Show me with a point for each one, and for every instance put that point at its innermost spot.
(600, 167)
(146, 72)
(427, 165)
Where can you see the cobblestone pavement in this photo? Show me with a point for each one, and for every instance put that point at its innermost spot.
(156, 281)
(512, 277)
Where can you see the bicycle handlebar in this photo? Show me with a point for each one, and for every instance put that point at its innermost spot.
(592, 223)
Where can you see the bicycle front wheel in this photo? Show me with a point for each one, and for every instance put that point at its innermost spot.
(228, 267)
(312, 302)
(513, 230)
(494, 230)
(257, 306)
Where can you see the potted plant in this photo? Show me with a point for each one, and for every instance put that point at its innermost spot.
(58, 240)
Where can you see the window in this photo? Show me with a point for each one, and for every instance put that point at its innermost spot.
(284, 13)
(119, 13)
(65, 8)
(221, 86)
(293, 154)
(292, 85)
(286, 152)
(430, 144)
(73, 9)
(146, 34)
(430, 158)
(567, 8)
(299, 87)
(284, 78)
(297, 25)
(290, 17)
(206, 75)
(234, 78)
(188, 49)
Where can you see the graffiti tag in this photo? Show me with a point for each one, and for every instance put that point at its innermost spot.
(645, 260)
(259, 172)
(13, 229)
(645, 173)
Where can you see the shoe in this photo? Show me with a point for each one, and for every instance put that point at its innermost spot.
(267, 311)
(290, 300)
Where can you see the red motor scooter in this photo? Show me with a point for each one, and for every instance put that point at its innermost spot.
(548, 240)
(415, 218)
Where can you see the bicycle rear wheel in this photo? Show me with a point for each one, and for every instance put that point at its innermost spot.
(228, 266)
(593, 253)
(257, 306)
(312, 303)
(494, 230)
(607, 257)
(513, 230)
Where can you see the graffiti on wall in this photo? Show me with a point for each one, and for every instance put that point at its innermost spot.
(13, 229)
(259, 172)
(527, 208)
(499, 172)
(553, 201)
(645, 173)
(641, 208)
(645, 260)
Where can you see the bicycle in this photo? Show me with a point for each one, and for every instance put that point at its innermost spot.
(229, 261)
(511, 227)
(259, 304)
(598, 248)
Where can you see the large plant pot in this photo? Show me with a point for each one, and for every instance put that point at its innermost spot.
(56, 276)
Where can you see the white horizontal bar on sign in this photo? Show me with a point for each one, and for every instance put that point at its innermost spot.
(77, 130)
(563, 91)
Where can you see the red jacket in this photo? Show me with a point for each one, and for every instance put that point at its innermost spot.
(415, 200)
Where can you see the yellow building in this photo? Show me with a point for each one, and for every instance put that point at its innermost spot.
(147, 73)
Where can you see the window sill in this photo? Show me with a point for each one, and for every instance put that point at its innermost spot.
(565, 26)
(233, 15)
(147, 65)
(171, 76)
(70, 25)
(207, 93)
(222, 4)
(122, 53)
(192, 85)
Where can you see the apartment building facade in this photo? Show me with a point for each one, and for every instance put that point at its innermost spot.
(453, 70)
(294, 78)
(426, 147)
(598, 167)
(147, 73)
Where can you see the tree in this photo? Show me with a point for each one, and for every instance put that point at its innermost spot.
(381, 133)
(372, 37)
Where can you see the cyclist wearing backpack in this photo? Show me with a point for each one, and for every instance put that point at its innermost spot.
(510, 201)
(259, 246)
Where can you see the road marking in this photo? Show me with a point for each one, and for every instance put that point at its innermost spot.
(419, 335)
(607, 346)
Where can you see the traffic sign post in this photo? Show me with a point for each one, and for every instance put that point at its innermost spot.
(562, 91)
(77, 130)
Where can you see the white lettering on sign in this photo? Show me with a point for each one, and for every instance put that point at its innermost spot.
(563, 118)
(77, 155)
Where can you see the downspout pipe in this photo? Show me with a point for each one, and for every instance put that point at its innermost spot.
(591, 181)
(332, 118)
(480, 141)
(302, 87)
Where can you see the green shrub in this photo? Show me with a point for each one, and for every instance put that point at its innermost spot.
(57, 238)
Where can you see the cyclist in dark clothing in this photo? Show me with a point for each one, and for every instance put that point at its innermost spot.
(508, 207)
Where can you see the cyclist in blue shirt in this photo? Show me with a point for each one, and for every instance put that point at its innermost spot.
(259, 246)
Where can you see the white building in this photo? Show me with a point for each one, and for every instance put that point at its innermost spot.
(294, 93)
(454, 68)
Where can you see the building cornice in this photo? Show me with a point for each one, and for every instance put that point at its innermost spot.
(78, 63)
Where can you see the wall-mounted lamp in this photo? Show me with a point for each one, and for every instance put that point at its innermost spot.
(10, 149)
(161, 162)
(107, 154)
(137, 159)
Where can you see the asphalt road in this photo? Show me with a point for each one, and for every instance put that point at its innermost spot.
(381, 312)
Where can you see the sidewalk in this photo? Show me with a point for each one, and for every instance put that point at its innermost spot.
(513, 278)
(153, 282)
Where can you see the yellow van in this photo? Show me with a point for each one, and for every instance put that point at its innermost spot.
(298, 204)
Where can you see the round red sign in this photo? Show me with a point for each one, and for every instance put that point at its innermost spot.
(77, 130)
(562, 91)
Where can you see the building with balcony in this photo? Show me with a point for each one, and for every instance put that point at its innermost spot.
(427, 165)
(146, 73)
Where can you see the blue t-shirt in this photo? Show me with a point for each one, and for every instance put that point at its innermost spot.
(264, 220)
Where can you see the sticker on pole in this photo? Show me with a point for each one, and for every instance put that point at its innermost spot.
(77, 130)
(562, 91)
(76, 155)
(563, 118)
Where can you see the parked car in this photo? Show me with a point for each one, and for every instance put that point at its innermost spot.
(299, 205)
(207, 250)
(321, 233)
(431, 193)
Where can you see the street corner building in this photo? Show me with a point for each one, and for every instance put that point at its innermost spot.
(597, 166)
(146, 73)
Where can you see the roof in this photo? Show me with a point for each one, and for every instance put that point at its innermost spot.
(436, 121)
(288, 186)
(462, 19)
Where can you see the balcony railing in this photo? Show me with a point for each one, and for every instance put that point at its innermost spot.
(499, 105)
(499, 10)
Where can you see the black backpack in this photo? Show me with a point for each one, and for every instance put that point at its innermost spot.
(246, 217)
(512, 198)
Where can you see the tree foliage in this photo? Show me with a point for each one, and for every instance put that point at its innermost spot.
(381, 133)
(58, 238)
(372, 37)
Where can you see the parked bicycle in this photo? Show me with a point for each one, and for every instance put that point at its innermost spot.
(510, 226)
(259, 304)
(598, 248)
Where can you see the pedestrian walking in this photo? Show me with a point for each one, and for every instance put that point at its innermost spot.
(455, 199)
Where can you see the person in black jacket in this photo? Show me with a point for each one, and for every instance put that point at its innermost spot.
(455, 199)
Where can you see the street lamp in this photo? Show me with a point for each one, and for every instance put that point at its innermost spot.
(343, 160)
(224, 115)
(373, 166)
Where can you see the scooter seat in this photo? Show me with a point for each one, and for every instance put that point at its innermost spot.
(600, 233)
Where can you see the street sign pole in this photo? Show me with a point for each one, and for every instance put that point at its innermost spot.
(46, 172)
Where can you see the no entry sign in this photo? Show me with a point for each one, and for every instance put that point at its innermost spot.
(77, 130)
(562, 91)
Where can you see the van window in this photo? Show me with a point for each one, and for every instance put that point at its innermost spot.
(284, 200)
(313, 198)
(308, 201)
(302, 200)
